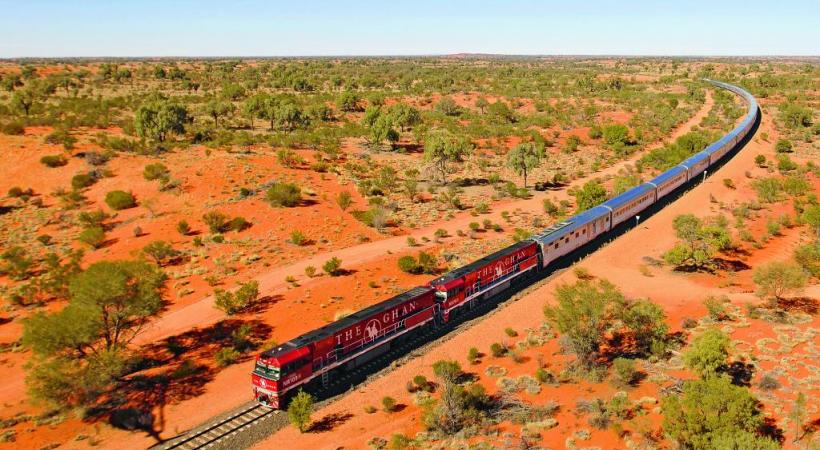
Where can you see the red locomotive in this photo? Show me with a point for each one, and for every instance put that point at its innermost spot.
(359, 337)
(345, 344)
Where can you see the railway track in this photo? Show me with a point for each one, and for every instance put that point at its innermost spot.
(220, 430)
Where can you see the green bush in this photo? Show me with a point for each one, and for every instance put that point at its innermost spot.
(119, 200)
(625, 372)
(233, 302)
(237, 224)
(157, 171)
(389, 404)
(707, 352)
(497, 350)
(783, 146)
(216, 221)
(226, 356)
(93, 236)
(408, 264)
(183, 228)
(300, 409)
(473, 355)
(333, 266)
(284, 194)
(13, 129)
(82, 180)
(54, 160)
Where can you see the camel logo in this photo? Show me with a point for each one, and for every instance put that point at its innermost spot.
(499, 271)
(371, 331)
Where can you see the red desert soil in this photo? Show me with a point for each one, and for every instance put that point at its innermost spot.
(287, 312)
(290, 310)
(680, 295)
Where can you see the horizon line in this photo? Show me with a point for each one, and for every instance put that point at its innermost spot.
(416, 55)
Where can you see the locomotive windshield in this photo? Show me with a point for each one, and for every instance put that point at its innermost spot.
(266, 371)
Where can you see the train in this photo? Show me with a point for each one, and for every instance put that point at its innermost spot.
(366, 334)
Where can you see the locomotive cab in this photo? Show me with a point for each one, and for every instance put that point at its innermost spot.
(278, 370)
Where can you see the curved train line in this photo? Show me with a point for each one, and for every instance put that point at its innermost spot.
(352, 347)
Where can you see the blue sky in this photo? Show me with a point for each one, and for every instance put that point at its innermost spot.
(393, 27)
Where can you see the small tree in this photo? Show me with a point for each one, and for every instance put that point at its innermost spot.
(707, 411)
(591, 194)
(160, 252)
(159, 118)
(812, 218)
(442, 149)
(523, 158)
(583, 314)
(300, 409)
(798, 415)
(707, 353)
(777, 279)
(81, 349)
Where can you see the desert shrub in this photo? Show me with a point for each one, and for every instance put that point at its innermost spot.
(625, 372)
(54, 160)
(333, 266)
(299, 410)
(61, 136)
(777, 279)
(388, 404)
(497, 350)
(310, 271)
(408, 264)
(544, 376)
(82, 180)
(233, 302)
(510, 332)
(160, 252)
(16, 263)
(473, 355)
(96, 158)
(411, 241)
(707, 352)
(729, 183)
(237, 224)
(447, 369)
(716, 307)
(92, 219)
(785, 164)
(13, 129)
(216, 221)
(119, 200)
(297, 237)
(709, 409)
(183, 228)
(93, 236)
(284, 195)
(783, 146)
(226, 356)
(768, 382)
(344, 199)
(370, 409)
(760, 160)
(808, 257)
(550, 208)
(156, 171)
